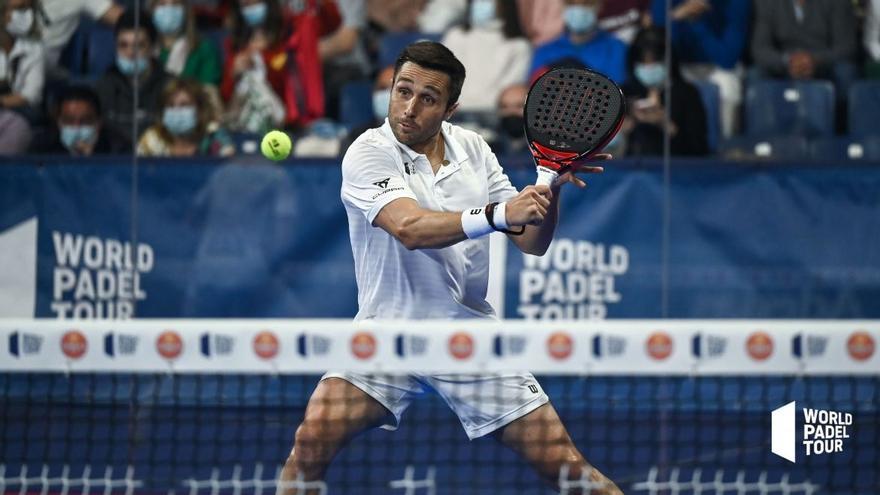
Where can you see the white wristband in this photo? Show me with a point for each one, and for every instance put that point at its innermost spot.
(499, 216)
(474, 223)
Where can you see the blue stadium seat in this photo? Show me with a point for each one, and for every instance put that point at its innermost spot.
(100, 51)
(776, 107)
(711, 96)
(356, 103)
(864, 107)
(246, 143)
(770, 148)
(846, 148)
(393, 43)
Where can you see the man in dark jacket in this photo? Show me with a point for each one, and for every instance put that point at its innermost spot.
(79, 129)
(134, 60)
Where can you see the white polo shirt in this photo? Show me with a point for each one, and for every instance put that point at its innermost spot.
(394, 282)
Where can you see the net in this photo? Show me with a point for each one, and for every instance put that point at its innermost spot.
(212, 407)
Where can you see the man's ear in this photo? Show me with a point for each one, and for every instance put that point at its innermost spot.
(451, 110)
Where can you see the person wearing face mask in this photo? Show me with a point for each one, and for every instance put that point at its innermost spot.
(187, 127)
(116, 88)
(381, 98)
(181, 51)
(78, 129)
(584, 41)
(646, 122)
(272, 73)
(22, 69)
(493, 50)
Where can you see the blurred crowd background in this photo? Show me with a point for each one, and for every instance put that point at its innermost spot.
(782, 78)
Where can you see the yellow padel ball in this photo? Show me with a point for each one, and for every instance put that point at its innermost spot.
(276, 145)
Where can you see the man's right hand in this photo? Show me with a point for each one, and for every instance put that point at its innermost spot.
(529, 207)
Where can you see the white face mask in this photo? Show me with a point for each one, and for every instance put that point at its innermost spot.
(20, 22)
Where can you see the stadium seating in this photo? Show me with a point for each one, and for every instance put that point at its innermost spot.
(775, 107)
(864, 107)
(356, 104)
(846, 148)
(391, 45)
(785, 147)
(711, 96)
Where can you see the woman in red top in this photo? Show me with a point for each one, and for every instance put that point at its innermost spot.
(272, 57)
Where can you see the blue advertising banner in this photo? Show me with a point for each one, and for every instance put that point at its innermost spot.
(241, 238)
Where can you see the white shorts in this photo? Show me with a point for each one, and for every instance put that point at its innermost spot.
(483, 403)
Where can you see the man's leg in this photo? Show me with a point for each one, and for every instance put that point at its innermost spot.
(337, 411)
(542, 440)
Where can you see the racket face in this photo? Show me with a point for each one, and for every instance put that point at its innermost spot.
(571, 113)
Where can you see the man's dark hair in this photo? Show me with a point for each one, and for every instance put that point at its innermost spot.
(434, 56)
(126, 23)
(78, 93)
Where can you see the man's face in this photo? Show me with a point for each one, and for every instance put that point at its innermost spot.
(77, 113)
(133, 44)
(418, 107)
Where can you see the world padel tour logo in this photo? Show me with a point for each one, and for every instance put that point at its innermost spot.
(509, 345)
(560, 345)
(24, 344)
(169, 345)
(824, 431)
(461, 345)
(74, 344)
(609, 346)
(410, 345)
(363, 345)
(659, 345)
(860, 346)
(216, 344)
(759, 345)
(120, 344)
(266, 345)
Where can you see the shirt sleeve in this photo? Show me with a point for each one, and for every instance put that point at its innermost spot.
(371, 180)
(500, 188)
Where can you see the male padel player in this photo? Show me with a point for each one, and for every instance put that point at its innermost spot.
(416, 191)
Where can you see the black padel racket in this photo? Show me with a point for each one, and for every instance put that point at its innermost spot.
(570, 115)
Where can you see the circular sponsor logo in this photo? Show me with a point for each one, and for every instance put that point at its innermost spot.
(659, 345)
(461, 345)
(860, 345)
(363, 345)
(266, 345)
(759, 346)
(74, 344)
(169, 344)
(559, 345)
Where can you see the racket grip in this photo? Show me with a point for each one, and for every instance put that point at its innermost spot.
(546, 177)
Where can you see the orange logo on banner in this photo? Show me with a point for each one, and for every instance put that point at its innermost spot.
(363, 345)
(560, 345)
(759, 346)
(659, 345)
(169, 344)
(74, 344)
(860, 346)
(266, 344)
(461, 345)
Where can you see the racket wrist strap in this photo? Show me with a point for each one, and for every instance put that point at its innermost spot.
(475, 223)
(496, 215)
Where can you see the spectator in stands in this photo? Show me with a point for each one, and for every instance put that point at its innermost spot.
(805, 39)
(493, 51)
(511, 104)
(188, 126)
(709, 37)
(542, 19)
(646, 123)
(584, 41)
(872, 40)
(133, 60)
(395, 16)
(343, 53)
(381, 98)
(60, 19)
(182, 52)
(440, 15)
(272, 74)
(22, 69)
(78, 128)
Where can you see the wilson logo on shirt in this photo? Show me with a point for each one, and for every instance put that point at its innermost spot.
(382, 183)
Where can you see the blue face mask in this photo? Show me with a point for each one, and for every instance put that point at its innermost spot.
(482, 12)
(579, 18)
(71, 135)
(651, 75)
(168, 19)
(381, 99)
(179, 120)
(130, 66)
(255, 14)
